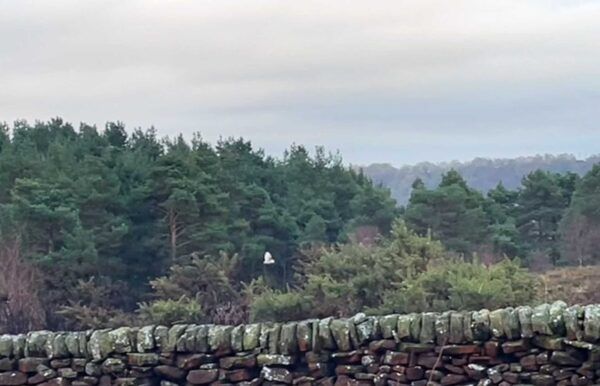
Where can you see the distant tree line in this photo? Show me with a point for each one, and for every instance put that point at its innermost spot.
(481, 174)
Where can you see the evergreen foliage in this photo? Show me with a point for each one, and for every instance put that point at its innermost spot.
(457, 285)
(132, 208)
(452, 213)
(404, 273)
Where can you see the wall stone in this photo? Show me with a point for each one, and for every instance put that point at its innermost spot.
(547, 345)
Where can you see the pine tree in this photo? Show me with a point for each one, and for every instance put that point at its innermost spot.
(452, 213)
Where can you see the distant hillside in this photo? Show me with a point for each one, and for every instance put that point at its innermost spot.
(481, 173)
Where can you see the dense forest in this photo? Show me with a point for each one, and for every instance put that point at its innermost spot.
(99, 214)
(106, 227)
(481, 173)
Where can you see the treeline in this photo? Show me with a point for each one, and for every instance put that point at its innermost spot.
(552, 219)
(99, 213)
(103, 228)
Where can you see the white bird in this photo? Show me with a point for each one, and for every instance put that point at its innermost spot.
(268, 259)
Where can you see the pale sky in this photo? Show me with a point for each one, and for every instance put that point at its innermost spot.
(396, 81)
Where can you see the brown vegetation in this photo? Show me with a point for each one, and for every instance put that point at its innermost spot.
(20, 306)
(574, 285)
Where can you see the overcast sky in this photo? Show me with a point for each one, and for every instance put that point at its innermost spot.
(396, 81)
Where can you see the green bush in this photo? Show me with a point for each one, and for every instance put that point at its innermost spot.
(281, 306)
(268, 304)
(205, 282)
(460, 285)
(354, 277)
(346, 279)
(169, 311)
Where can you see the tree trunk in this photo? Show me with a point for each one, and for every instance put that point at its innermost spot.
(173, 233)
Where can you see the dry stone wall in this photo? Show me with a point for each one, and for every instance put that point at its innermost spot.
(544, 346)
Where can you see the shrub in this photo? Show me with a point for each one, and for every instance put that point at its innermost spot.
(207, 281)
(267, 304)
(354, 277)
(97, 302)
(280, 306)
(460, 285)
(169, 311)
(346, 279)
(85, 317)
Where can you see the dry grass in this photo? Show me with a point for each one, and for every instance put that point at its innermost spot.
(574, 285)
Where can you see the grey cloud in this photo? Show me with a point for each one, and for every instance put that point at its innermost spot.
(381, 81)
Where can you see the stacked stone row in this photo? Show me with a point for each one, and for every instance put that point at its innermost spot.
(539, 361)
(544, 345)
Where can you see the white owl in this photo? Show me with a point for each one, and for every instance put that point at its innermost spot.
(268, 259)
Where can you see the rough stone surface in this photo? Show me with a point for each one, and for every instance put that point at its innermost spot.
(219, 339)
(170, 373)
(591, 323)
(388, 325)
(442, 328)
(72, 344)
(99, 344)
(30, 365)
(427, 332)
(499, 322)
(113, 366)
(415, 326)
(251, 335)
(323, 339)
(202, 377)
(274, 359)
(480, 325)
(340, 330)
(36, 343)
(276, 374)
(288, 342)
(547, 345)
(456, 328)
(145, 339)
(6, 345)
(304, 335)
(403, 327)
(187, 341)
(11, 378)
(365, 327)
(173, 336)
(237, 338)
(540, 320)
(524, 315)
(557, 320)
(142, 359)
(573, 327)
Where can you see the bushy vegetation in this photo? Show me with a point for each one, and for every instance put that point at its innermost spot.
(269, 304)
(169, 311)
(458, 285)
(403, 273)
